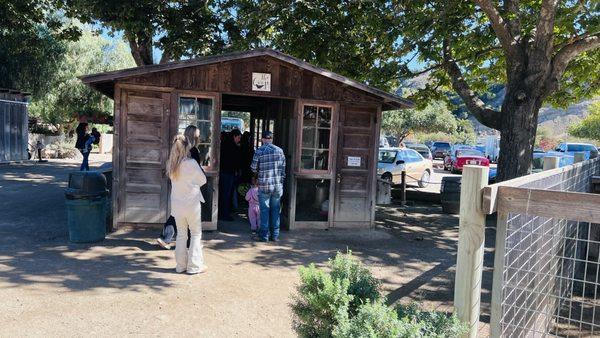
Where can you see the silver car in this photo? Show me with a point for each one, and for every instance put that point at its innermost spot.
(392, 161)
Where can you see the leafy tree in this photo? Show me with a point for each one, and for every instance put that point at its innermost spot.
(354, 38)
(542, 51)
(434, 118)
(29, 60)
(179, 28)
(589, 127)
(67, 97)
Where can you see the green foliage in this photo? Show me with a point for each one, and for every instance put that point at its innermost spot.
(590, 126)
(178, 28)
(67, 96)
(345, 302)
(363, 287)
(432, 323)
(320, 303)
(29, 60)
(376, 320)
(436, 117)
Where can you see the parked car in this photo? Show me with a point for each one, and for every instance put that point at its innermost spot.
(383, 142)
(571, 148)
(448, 157)
(231, 123)
(392, 161)
(460, 157)
(421, 149)
(439, 149)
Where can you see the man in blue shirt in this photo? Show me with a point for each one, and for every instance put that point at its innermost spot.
(269, 164)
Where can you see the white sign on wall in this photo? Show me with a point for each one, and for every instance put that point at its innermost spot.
(261, 82)
(353, 161)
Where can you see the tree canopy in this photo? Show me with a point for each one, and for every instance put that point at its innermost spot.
(588, 128)
(67, 97)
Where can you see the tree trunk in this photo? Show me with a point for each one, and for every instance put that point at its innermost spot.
(518, 128)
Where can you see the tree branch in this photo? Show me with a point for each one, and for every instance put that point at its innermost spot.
(544, 32)
(166, 57)
(566, 54)
(476, 106)
(514, 24)
(498, 25)
(474, 55)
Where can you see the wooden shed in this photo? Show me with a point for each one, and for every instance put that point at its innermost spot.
(14, 121)
(327, 125)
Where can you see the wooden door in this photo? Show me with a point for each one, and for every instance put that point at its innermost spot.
(355, 170)
(144, 146)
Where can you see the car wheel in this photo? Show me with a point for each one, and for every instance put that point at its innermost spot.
(425, 179)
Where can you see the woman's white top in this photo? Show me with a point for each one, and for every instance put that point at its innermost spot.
(185, 189)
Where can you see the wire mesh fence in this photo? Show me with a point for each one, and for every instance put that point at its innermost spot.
(550, 267)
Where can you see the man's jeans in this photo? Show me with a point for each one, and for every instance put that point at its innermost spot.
(85, 163)
(269, 214)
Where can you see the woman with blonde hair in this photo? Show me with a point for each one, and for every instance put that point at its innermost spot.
(186, 179)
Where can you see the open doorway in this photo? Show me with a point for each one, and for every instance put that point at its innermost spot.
(243, 119)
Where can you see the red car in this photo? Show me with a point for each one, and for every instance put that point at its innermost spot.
(455, 162)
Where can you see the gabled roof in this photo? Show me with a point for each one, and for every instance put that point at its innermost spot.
(99, 81)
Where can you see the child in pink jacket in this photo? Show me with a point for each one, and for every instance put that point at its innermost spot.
(253, 206)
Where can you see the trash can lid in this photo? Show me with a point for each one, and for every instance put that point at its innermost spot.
(78, 194)
(87, 181)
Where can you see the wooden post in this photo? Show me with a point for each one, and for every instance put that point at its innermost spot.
(551, 162)
(579, 157)
(471, 238)
(403, 182)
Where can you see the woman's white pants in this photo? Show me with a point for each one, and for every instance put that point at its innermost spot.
(188, 259)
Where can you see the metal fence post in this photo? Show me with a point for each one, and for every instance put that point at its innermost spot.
(471, 238)
(403, 182)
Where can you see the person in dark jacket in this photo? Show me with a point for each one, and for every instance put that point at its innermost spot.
(229, 172)
(81, 144)
(247, 149)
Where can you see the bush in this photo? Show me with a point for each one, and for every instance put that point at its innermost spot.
(346, 302)
(432, 323)
(376, 320)
(363, 287)
(321, 301)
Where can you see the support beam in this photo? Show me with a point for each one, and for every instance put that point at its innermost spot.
(471, 239)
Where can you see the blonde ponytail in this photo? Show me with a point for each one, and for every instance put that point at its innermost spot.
(180, 150)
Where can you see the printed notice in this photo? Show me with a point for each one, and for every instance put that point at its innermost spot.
(353, 161)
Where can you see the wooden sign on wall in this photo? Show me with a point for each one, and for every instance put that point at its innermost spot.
(261, 82)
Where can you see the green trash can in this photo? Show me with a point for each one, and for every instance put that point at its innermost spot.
(86, 207)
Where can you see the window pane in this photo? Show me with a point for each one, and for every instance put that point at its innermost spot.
(310, 115)
(324, 117)
(322, 159)
(204, 109)
(312, 200)
(323, 138)
(187, 108)
(308, 138)
(205, 131)
(204, 150)
(198, 112)
(307, 159)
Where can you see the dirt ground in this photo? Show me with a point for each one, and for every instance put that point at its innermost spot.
(125, 285)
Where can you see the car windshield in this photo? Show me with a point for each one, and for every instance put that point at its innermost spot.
(468, 152)
(580, 147)
(387, 156)
(441, 145)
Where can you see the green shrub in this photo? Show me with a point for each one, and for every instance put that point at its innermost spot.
(346, 302)
(320, 303)
(432, 323)
(363, 287)
(375, 320)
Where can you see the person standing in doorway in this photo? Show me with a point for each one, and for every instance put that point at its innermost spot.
(229, 172)
(269, 164)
